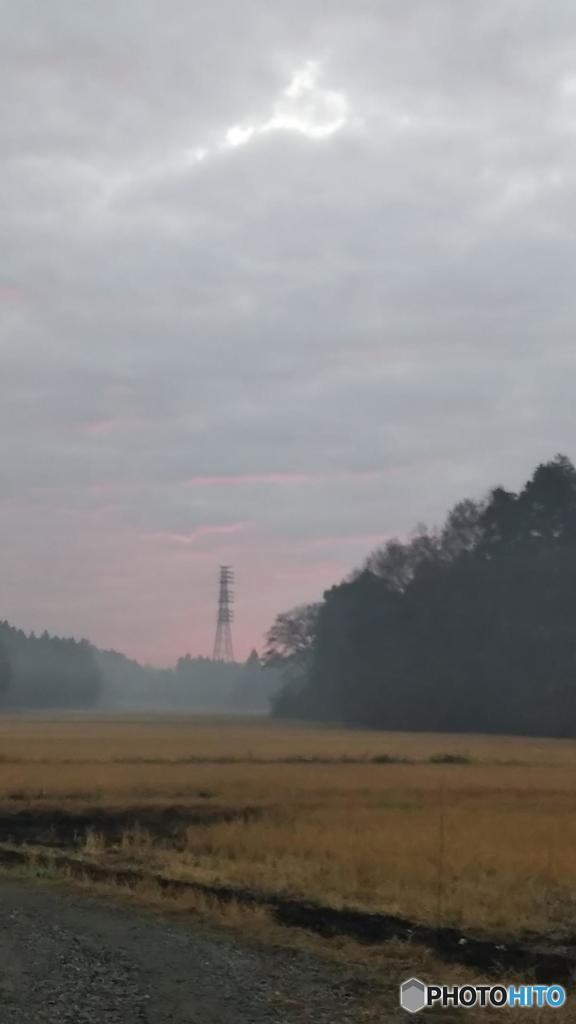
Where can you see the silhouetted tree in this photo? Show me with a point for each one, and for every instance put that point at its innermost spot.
(290, 646)
(468, 628)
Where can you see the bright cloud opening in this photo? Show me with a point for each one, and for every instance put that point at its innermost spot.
(303, 107)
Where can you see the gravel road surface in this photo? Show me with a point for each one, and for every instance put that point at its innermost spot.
(68, 959)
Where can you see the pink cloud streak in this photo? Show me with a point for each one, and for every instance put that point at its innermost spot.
(358, 539)
(195, 535)
(111, 424)
(10, 293)
(279, 479)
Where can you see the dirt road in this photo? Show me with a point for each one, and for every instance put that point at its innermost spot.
(67, 959)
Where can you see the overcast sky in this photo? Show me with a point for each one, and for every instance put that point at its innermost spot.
(278, 279)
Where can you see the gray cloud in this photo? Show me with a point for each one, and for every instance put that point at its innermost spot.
(348, 332)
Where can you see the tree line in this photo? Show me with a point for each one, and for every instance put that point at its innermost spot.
(195, 684)
(52, 672)
(46, 671)
(469, 627)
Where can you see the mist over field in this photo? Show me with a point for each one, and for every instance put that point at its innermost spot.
(40, 673)
(464, 628)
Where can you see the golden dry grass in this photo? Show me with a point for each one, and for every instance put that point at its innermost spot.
(106, 738)
(487, 845)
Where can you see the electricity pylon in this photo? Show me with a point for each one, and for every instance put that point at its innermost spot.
(223, 648)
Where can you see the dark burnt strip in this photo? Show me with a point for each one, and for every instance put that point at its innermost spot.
(491, 956)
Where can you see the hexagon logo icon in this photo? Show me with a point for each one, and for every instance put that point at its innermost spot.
(413, 995)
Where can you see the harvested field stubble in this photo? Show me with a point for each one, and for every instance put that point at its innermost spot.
(483, 838)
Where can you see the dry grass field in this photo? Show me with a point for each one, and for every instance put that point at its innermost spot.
(367, 820)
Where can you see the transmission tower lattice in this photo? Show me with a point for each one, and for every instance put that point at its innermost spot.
(223, 648)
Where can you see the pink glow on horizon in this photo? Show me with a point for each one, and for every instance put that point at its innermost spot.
(152, 590)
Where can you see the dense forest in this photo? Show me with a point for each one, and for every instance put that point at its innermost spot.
(471, 627)
(50, 672)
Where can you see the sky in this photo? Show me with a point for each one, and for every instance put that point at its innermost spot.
(279, 281)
